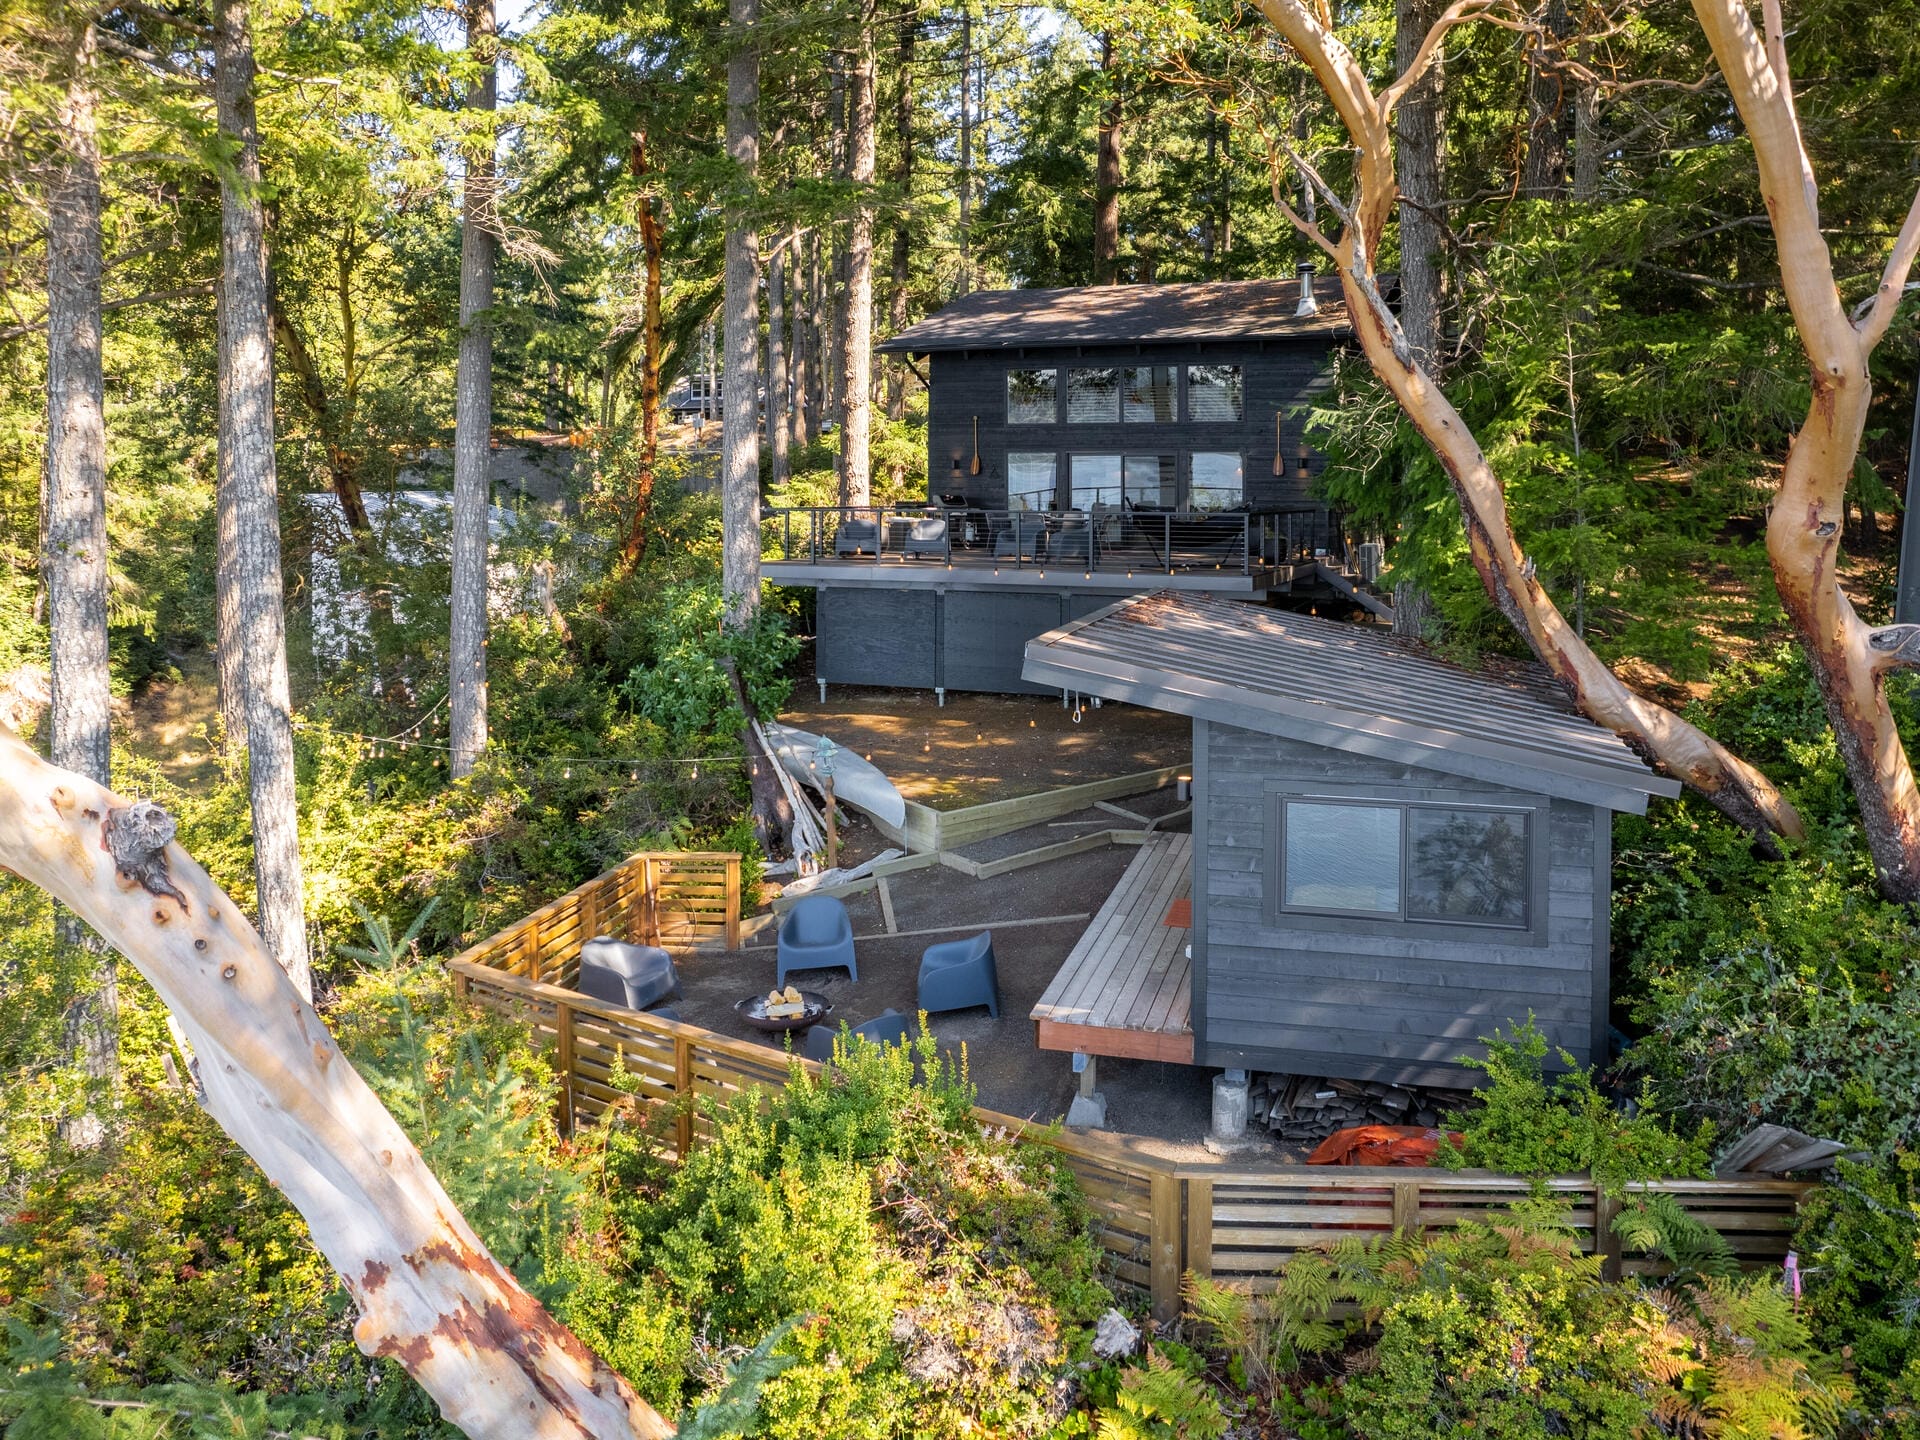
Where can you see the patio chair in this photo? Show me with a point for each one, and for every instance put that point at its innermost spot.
(857, 537)
(1025, 538)
(959, 974)
(1072, 541)
(889, 1027)
(927, 537)
(816, 934)
(636, 976)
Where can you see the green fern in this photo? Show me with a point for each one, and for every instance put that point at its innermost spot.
(1160, 1401)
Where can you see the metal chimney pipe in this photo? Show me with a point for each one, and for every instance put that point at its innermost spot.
(1308, 305)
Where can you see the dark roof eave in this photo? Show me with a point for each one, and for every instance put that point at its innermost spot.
(905, 345)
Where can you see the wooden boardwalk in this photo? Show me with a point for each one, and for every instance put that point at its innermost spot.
(1126, 990)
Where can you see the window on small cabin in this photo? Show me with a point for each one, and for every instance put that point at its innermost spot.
(1445, 864)
(1218, 483)
(1147, 395)
(1031, 397)
(1030, 480)
(1214, 392)
(1093, 395)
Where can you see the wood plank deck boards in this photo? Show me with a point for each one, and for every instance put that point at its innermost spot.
(1128, 974)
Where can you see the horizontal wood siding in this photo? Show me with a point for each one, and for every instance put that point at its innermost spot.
(1350, 999)
(877, 637)
(1278, 375)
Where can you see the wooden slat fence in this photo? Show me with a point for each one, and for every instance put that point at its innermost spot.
(673, 898)
(1158, 1217)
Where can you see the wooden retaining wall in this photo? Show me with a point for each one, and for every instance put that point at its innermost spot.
(1158, 1218)
(926, 829)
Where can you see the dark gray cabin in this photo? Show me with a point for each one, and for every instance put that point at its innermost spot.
(1083, 444)
(1391, 856)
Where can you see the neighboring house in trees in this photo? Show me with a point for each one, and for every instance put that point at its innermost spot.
(1083, 444)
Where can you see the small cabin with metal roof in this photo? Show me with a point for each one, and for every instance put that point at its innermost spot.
(1082, 444)
(1391, 856)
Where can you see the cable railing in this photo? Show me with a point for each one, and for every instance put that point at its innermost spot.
(1108, 539)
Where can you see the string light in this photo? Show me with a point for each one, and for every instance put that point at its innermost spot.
(378, 747)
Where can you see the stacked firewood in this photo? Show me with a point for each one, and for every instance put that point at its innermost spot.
(1312, 1107)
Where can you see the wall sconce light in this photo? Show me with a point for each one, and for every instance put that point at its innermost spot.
(1301, 465)
(956, 467)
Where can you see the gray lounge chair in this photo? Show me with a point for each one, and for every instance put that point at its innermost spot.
(959, 974)
(636, 976)
(817, 933)
(857, 537)
(1025, 538)
(927, 537)
(889, 1027)
(1072, 541)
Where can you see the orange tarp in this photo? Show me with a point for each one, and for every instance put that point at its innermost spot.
(1378, 1145)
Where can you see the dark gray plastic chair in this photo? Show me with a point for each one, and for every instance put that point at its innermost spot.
(927, 537)
(817, 933)
(857, 537)
(959, 974)
(636, 976)
(889, 1027)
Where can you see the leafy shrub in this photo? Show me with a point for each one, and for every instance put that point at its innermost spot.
(1160, 1401)
(680, 687)
(1528, 1124)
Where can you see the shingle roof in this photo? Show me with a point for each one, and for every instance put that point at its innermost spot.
(1347, 687)
(1125, 315)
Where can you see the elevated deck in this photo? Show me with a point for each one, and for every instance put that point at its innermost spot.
(1126, 989)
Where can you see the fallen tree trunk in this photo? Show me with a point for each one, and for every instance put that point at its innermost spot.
(429, 1294)
(1729, 783)
(772, 812)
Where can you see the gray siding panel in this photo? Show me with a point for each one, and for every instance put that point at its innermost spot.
(877, 637)
(1366, 1000)
(985, 634)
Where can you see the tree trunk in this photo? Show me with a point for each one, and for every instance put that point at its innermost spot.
(248, 574)
(1733, 786)
(73, 561)
(1589, 146)
(1106, 182)
(429, 1294)
(1849, 659)
(806, 360)
(780, 398)
(902, 277)
(966, 147)
(772, 812)
(652, 259)
(1549, 115)
(856, 404)
(740, 386)
(1419, 140)
(473, 411)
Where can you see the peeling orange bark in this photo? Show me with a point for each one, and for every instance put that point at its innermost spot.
(1729, 783)
(429, 1293)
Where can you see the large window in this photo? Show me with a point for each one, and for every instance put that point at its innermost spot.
(1214, 392)
(1111, 479)
(1093, 396)
(1219, 482)
(1030, 480)
(1443, 864)
(1032, 398)
(1147, 395)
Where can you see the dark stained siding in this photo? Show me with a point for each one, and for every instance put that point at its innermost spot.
(1365, 1004)
(877, 637)
(1278, 374)
(986, 634)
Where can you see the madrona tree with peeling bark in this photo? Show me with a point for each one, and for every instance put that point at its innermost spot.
(429, 1294)
(1850, 660)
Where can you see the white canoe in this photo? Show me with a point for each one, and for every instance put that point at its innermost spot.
(855, 782)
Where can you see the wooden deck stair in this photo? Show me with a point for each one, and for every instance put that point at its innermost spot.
(1126, 989)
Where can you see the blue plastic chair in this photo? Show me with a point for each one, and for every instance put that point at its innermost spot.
(959, 974)
(636, 976)
(889, 1027)
(817, 933)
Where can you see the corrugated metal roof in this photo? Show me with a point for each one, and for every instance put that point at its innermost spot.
(1347, 687)
(1126, 315)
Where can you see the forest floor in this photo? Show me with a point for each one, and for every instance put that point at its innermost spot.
(978, 748)
(173, 720)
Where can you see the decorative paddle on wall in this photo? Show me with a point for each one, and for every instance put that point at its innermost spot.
(976, 444)
(1279, 462)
